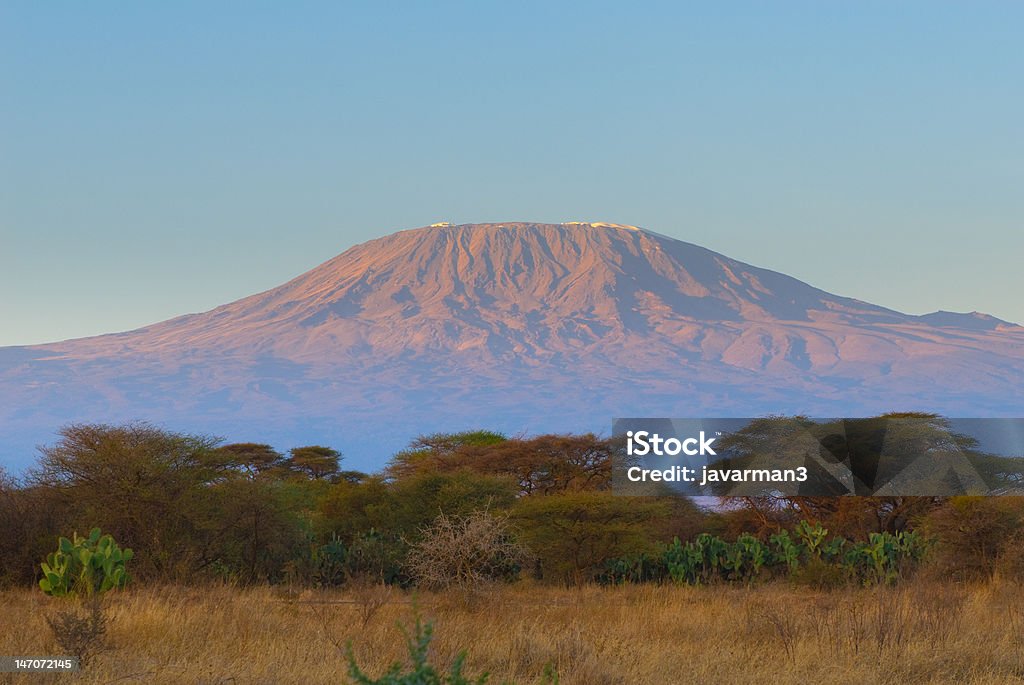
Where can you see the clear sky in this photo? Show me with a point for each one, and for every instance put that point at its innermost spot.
(164, 158)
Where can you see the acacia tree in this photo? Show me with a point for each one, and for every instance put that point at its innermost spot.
(552, 463)
(438, 452)
(315, 461)
(146, 486)
(185, 504)
(540, 465)
(252, 458)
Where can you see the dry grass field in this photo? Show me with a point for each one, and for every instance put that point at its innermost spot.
(921, 633)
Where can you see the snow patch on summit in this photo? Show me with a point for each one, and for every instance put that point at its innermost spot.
(602, 224)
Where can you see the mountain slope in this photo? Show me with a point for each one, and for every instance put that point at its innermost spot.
(514, 326)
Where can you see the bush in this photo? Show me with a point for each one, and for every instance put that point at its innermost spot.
(466, 552)
(975, 536)
(420, 672)
(80, 630)
(820, 575)
(376, 558)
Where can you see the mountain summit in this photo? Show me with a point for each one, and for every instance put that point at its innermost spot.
(514, 326)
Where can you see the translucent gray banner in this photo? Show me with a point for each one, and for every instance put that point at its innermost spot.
(785, 456)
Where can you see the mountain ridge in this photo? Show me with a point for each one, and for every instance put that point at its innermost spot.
(514, 324)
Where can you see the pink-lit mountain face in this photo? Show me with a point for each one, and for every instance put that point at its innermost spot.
(513, 326)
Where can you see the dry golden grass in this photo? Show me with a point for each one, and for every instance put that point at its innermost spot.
(924, 633)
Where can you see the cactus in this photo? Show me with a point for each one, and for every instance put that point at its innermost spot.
(833, 549)
(637, 568)
(712, 549)
(813, 537)
(732, 561)
(755, 554)
(879, 560)
(85, 566)
(785, 550)
(680, 562)
(685, 563)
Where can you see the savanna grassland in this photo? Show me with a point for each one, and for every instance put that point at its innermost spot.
(200, 562)
(927, 632)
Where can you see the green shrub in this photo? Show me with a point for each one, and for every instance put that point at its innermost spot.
(377, 557)
(329, 563)
(420, 671)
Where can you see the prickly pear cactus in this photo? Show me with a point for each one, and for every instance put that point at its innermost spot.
(85, 566)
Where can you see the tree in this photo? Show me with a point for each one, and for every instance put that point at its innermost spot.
(252, 458)
(315, 461)
(551, 463)
(574, 533)
(29, 517)
(254, 526)
(403, 508)
(147, 486)
(540, 465)
(437, 451)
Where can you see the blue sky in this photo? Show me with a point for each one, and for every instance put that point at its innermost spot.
(164, 158)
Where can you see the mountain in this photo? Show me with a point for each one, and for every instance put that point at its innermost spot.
(515, 326)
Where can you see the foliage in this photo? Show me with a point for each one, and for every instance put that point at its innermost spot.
(377, 557)
(420, 671)
(314, 461)
(85, 566)
(255, 526)
(403, 508)
(870, 452)
(809, 553)
(873, 450)
(146, 486)
(324, 566)
(573, 533)
(29, 521)
(544, 464)
(428, 453)
(974, 536)
(251, 458)
(329, 564)
(247, 513)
